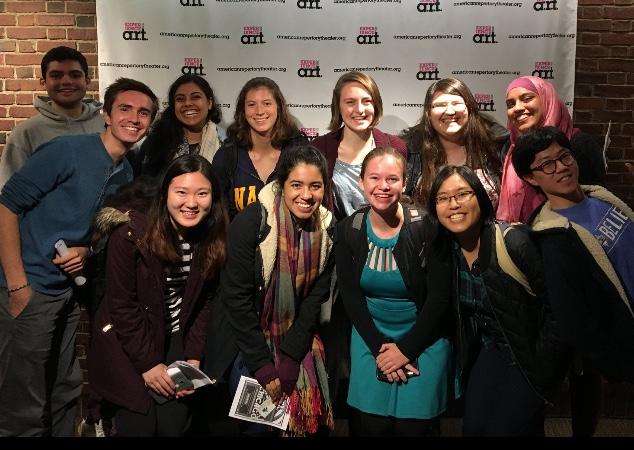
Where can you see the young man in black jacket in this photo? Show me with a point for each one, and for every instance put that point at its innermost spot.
(586, 237)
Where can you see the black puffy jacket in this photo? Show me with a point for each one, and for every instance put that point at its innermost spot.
(525, 321)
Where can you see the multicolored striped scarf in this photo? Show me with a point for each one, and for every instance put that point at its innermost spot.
(296, 269)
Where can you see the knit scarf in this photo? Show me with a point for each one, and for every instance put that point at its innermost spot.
(296, 269)
(208, 146)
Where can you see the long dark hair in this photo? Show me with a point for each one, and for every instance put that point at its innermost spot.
(479, 139)
(167, 133)
(486, 207)
(283, 130)
(208, 237)
(303, 154)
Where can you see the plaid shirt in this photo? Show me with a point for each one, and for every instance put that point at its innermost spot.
(474, 302)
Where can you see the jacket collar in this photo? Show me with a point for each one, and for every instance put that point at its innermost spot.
(268, 245)
(546, 219)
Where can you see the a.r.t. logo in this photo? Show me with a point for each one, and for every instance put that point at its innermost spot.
(308, 4)
(484, 34)
(308, 68)
(368, 35)
(428, 6)
(193, 66)
(545, 5)
(427, 71)
(134, 31)
(252, 35)
(485, 102)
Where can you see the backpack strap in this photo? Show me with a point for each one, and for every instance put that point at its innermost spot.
(357, 220)
(414, 214)
(506, 262)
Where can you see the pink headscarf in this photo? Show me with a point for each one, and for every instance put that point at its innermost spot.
(518, 199)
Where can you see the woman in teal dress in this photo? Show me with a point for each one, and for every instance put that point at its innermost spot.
(398, 316)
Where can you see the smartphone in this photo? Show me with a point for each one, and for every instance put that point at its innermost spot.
(408, 373)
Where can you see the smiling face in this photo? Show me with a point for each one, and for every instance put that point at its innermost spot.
(356, 106)
(303, 191)
(383, 182)
(564, 183)
(191, 106)
(524, 109)
(65, 83)
(130, 117)
(260, 110)
(189, 200)
(448, 116)
(456, 217)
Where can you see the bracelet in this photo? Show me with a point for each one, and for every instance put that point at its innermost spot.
(11, 291)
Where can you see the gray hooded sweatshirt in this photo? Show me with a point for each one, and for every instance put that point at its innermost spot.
(28, 135)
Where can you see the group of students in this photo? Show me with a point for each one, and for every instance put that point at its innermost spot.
(254, 252)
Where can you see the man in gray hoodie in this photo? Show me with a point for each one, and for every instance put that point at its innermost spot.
(64, 111)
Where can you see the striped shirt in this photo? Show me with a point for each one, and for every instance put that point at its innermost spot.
(175, 286)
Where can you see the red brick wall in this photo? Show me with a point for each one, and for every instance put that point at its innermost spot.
(604, 82)
(28, 29)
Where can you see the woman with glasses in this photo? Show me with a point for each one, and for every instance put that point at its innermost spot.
(531, 103)
(509, 352)
(452, 130)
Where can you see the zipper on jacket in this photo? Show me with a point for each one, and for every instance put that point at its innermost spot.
(515, 360)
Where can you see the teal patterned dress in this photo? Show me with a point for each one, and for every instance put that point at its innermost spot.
(423, 397)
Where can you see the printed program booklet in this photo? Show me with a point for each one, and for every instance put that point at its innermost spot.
(253, 404)
(186, 376)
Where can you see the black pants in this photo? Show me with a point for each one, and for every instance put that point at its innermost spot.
(499, 401)
(586, 400)
(166, 418)
(371, 425)
(169, 419)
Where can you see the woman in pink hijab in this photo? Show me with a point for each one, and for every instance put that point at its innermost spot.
(530, 103)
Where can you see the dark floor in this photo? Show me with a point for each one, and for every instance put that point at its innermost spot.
(617, 416)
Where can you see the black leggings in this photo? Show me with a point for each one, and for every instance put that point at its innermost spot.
(499, 401)
(371, 425)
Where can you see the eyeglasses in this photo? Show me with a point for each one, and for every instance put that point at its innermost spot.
(460, 197)
(444, 106)
(549, 167)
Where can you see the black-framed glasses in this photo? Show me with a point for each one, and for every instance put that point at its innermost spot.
(549, 167)
(460, 197)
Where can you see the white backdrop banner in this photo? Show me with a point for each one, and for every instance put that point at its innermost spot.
(305, 45)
